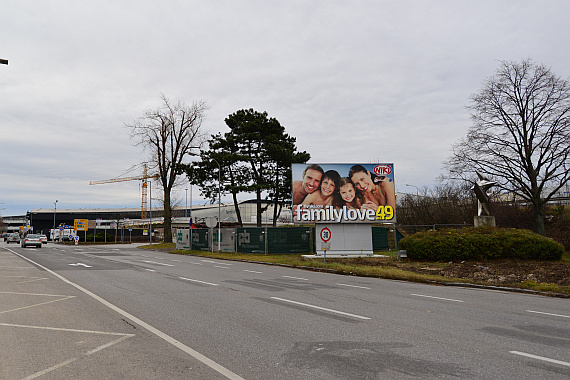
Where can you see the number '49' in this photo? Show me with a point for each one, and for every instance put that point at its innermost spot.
(384, 213)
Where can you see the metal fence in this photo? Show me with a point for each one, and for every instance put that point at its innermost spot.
(269, 240)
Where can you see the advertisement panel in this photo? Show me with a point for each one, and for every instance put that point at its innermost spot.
(343, 193)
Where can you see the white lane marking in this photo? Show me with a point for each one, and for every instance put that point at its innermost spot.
(63, 364)
(219, 266)
(554, 315)
(354, 286)
(37, 304)
(437, 298)
(251, 271)
(215, 262)
(195, 354)
(66, 330)
(320, 308)
(82, 265)
(178, 261)
(154, 262)
(540, 358)
(201, 282)
(195, 263)
(150, 270)
(297, 278)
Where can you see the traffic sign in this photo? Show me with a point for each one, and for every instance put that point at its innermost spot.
(130, 229)
(325, 234)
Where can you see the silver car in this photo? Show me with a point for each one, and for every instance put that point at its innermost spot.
(31, 240)
(13, 238)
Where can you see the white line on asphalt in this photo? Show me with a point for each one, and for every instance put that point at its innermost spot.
(320, 308)
(437, 298)
(150, 270)
(215, 262)
(251, 271)
(219, 266)
(37, 304)
(154, 262)
(69, 361)
(354, 286)
(554, 315)
(195, 354)
(297, 278)
(195, 263)
(67, 330)
(540, 358)
(202, 282)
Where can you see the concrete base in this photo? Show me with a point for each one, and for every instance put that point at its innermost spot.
(484, 221)
(337, 255)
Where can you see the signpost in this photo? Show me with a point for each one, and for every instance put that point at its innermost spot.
(325, 237)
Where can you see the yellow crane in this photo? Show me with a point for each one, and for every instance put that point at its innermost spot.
(144, 177)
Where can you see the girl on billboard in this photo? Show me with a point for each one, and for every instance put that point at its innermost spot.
(347, 195)
(377, 190)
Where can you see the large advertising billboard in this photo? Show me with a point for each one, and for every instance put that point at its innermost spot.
(343, 193)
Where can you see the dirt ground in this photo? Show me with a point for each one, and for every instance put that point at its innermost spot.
(489, 273)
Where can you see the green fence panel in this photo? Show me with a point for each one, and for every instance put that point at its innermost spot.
(380, 238)
(399, 237)
(289, 240)
(251, 240)
(200, 239)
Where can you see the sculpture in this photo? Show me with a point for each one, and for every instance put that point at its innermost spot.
(480, 188)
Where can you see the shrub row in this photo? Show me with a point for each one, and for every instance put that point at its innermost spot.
(481, 243)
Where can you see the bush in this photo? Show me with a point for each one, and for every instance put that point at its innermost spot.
(481, 243)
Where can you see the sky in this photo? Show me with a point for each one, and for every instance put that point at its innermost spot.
(358, 81)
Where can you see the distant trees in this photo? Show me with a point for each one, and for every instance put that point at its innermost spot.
(255, 156)
(520, 135)
(169, 133)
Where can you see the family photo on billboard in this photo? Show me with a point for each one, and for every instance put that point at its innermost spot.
(342, 193)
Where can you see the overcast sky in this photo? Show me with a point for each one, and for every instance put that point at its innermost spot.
(353, 81)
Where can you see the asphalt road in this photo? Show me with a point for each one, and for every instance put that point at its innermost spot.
(114, 312)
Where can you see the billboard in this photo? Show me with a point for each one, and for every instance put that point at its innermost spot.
(343, 193)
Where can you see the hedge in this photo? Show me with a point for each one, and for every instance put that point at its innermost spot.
(481, 243)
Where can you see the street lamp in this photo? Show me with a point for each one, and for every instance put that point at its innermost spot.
(186, 208)
(53, 229)
(417, 190)
(219, 203)
(149, 213)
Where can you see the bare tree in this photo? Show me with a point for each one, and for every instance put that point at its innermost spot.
(168, 134)
(520, 135)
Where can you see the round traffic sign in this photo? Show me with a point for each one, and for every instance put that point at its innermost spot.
(325, 234)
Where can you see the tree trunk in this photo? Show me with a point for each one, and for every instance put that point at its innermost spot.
(167, 218)
(259, 212)
(539, 220)
(236, 207)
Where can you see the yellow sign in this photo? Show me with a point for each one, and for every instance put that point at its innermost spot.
(80, 224)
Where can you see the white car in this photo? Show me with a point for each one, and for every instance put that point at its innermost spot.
(31, 240)
(43, 239)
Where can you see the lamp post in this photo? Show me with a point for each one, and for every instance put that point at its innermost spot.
(219, 203)
(417, 190)
(149, 213)
(53, 229)
(186, 208)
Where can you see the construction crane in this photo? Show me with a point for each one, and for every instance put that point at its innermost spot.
(144, 177)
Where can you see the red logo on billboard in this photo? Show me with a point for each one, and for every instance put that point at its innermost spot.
(382, 170)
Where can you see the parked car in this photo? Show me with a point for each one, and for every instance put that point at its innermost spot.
(31, 240)
(43, 239)
(4, 236)
(13, 238)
